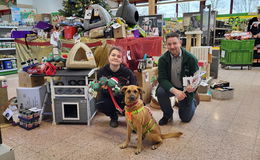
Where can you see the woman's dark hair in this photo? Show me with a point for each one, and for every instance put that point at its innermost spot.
(115, 48)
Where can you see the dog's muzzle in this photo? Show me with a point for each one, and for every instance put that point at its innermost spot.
(132, 98)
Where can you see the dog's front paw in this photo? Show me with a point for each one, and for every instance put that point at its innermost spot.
(123, 145)
(137, 151)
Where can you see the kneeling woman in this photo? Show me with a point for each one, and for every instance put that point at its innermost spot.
(125, 77)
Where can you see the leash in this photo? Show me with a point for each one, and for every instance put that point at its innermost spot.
(113, 99)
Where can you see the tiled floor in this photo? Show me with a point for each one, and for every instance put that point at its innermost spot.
(220, 130)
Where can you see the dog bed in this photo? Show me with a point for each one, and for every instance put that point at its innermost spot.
(222, 94)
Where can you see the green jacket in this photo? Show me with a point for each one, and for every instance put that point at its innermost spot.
(189, 67)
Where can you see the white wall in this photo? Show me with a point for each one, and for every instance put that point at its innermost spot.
(112, 4)
(27, 2)
(47, 6)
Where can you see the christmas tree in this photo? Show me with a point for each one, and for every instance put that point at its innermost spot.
(77, 7)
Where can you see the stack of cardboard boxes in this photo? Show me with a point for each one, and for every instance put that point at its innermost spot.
(31, 91)
(204, 55)
(53, 18)
(42, 17)
(145, 80)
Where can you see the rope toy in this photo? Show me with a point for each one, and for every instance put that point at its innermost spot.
(111, 85)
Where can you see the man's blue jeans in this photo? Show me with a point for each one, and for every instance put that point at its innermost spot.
(186, 107)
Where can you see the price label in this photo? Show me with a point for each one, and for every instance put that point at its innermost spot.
(88, 14)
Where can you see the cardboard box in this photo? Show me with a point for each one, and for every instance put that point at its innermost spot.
(144, 80)
(205, 97)
(31, 97)
(208, 71)
(42, 17)
(120, 32)
(209, 58)
(3, 96)
(7, 18)
(204, 85)
(97, 32)
(2, 118)
(4, 7)
(25, 80)
(6, 152)
(3, 102)
(203, 89)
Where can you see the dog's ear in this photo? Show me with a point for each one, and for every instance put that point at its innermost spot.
(123, 89)
(140, 90)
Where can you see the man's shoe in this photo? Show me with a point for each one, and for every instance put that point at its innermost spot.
(164, 121)
(113, 123)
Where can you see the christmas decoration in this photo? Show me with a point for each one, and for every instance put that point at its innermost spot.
(77, 7)
(112, 82)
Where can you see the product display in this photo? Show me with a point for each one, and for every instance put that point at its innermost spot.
(72, 62)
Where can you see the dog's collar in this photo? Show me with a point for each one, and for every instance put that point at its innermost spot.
(131, 105)
(129, 114)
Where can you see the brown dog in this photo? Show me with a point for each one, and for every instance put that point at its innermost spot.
(140, 119)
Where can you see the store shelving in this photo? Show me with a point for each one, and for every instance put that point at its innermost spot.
(5, 70)
(4, 59)
(7, 48)
(8, 27)
(6, 39)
